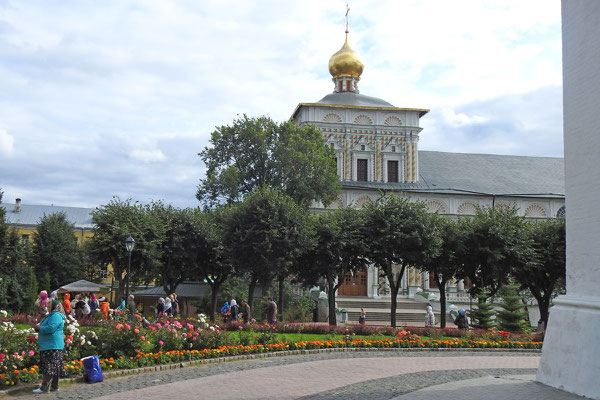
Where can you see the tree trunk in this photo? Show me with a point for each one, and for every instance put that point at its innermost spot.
(331, 299)
(442, 287)
(544, 307)
(214, 291)
(395, 287)
(280, 308)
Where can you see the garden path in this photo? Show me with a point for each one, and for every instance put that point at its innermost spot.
(356, 375)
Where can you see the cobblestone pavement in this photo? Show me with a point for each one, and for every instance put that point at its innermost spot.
(346, 375)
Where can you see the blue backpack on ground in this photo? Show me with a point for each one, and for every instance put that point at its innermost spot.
(91, 367)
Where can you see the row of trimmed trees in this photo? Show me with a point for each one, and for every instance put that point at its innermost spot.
(268, 238)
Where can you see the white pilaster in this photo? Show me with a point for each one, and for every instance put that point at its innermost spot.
(571, 355)
(425, 280)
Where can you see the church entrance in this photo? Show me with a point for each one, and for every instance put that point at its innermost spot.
(354, 285)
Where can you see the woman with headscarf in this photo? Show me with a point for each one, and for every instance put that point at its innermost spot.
(94, 305)
(160, 307)
(168, 310)
(41, 306)
(67, 304)
(429, 316)
(234, 309)
(51, 344)
(461, 321)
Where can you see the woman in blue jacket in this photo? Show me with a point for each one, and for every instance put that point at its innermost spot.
(51, 343)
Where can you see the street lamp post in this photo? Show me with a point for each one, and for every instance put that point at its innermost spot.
(129, 245)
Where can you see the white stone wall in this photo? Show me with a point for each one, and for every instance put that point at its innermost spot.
(571, 354)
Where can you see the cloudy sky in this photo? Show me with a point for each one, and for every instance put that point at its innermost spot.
(118, 97)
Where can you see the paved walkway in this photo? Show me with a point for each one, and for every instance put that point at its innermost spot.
(350, 375)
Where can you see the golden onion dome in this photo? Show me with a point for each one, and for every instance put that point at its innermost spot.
(345, 62)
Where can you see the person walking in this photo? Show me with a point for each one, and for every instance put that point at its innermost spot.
(363, 316)
(41, 306)
(104, 307)
(461, 321)
(51, 345)
(247, 314)
(131, 307)
(168, 310)
(234, 310)
(225, 312)
(429, 316)
(271, 311)
(175, 305)
(67, 304)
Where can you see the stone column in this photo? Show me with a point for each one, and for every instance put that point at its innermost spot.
(571, 355)
(425, 280)
(461, 285)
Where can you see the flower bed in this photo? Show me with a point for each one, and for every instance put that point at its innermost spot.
(129, 345)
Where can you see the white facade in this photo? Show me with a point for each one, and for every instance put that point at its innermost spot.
(376, 147)
(571, 354)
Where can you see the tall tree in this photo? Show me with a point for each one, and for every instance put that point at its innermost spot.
(257, 152)
(177, 258)
(339, 249)
(545, 273)
(113, 223)
(445, 264)
(56, 252)
(265, 234)
(495, 241)
(17, 290)
(398, 235)
(211, 260)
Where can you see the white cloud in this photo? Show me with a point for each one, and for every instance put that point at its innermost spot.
(90, 90)
(148, 156)
(6, 143)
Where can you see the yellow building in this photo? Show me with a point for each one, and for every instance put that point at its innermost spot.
(25, 218)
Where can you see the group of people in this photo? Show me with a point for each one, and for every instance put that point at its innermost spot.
(231, 312)
(168, 306)
(461, 320)
(82, 306)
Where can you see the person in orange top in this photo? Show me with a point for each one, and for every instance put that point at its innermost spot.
(104, 307)
(67, 304)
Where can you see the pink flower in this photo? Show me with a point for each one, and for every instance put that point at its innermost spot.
(31, 353)
(127, 326)
(148, 342)
(194, 338)
(160, 342)
(143, 337)
(136, 330)
(176, 336)
(119, 325)
(23, 353)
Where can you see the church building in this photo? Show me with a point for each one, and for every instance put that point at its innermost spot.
(376, 147)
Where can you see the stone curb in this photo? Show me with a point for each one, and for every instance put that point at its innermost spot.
(183, 364)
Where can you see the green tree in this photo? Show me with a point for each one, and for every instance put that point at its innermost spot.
(113, 223)
(56, 252)
(495, 241)
(257, 152)
(511, 317)
(210, 257)
(483, 316)
(545, 273)
(445, 264)
(399, 235)
(15, 286)
(339, 249)
(265, 234)
(177, 258)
